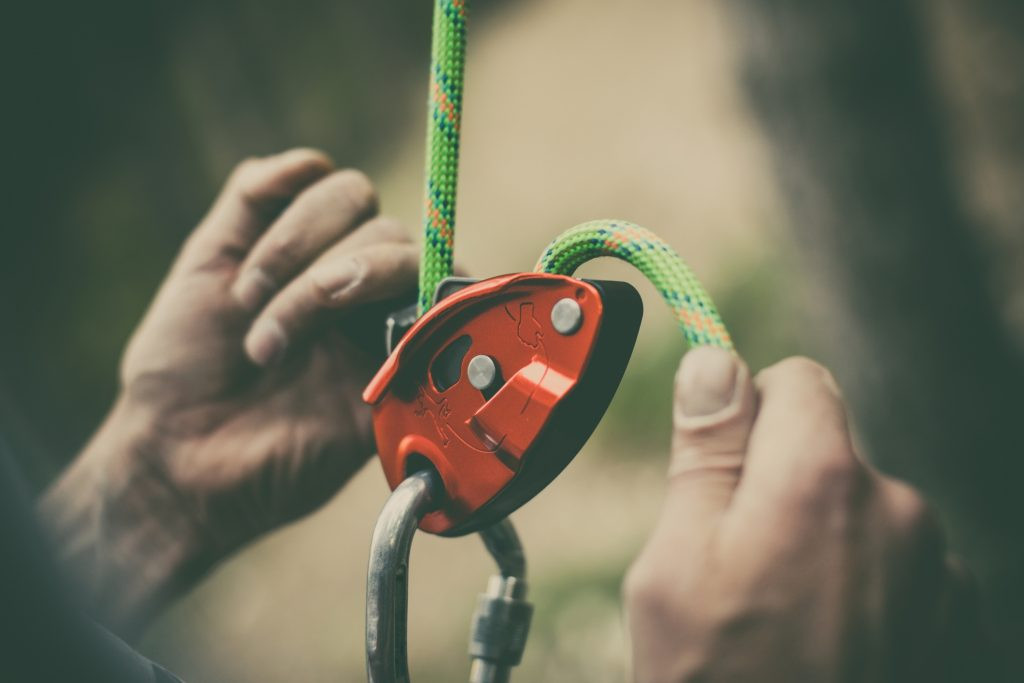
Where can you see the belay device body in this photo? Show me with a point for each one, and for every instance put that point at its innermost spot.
(498, 386)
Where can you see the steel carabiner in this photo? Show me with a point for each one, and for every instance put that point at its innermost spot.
(502, 618)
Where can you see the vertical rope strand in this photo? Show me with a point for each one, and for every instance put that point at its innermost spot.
(448, 56)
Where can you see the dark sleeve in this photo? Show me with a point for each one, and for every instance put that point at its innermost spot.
(43, 634)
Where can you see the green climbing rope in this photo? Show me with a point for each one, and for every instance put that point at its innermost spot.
(694, 311)
(696, 314)
(448, 56)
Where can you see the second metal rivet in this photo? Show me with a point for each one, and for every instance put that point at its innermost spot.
(481, 372)
(566, 316)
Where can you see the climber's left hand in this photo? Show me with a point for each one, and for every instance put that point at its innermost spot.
(239, 406)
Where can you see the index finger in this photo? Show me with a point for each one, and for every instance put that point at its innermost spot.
(255, 193)
(800, 460)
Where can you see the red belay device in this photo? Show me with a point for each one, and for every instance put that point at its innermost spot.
(498, 386)
(481, 402)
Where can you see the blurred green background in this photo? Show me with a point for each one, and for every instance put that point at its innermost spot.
(845, 177)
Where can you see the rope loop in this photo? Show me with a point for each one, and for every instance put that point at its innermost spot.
(678, 286)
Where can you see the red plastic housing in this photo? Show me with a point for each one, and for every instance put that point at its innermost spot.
(478, 444)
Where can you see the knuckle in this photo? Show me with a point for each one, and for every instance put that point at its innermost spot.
(325, 287)
(310, 155)
(355, 189)
(282, 249)
(653, 594)
(799, 370)
(838, 473)
(827, 471)
(643, 586)
(245, 174)
(911, 517)
(963, 580)
(317, 289)
(833, 458)
(834, 464)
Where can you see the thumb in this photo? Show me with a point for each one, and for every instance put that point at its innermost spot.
(715, 406)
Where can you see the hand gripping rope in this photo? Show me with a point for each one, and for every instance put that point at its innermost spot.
(492, 386)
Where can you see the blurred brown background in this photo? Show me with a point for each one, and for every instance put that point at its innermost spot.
(845, 177)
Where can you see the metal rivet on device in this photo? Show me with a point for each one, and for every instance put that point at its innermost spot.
(566, 316)
(481, 372)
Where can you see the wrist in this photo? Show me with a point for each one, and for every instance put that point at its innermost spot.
(123, 531)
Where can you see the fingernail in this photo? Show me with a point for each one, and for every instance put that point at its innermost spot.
(266, 341)
(340, 281)
(253, 287)
(707, 381)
